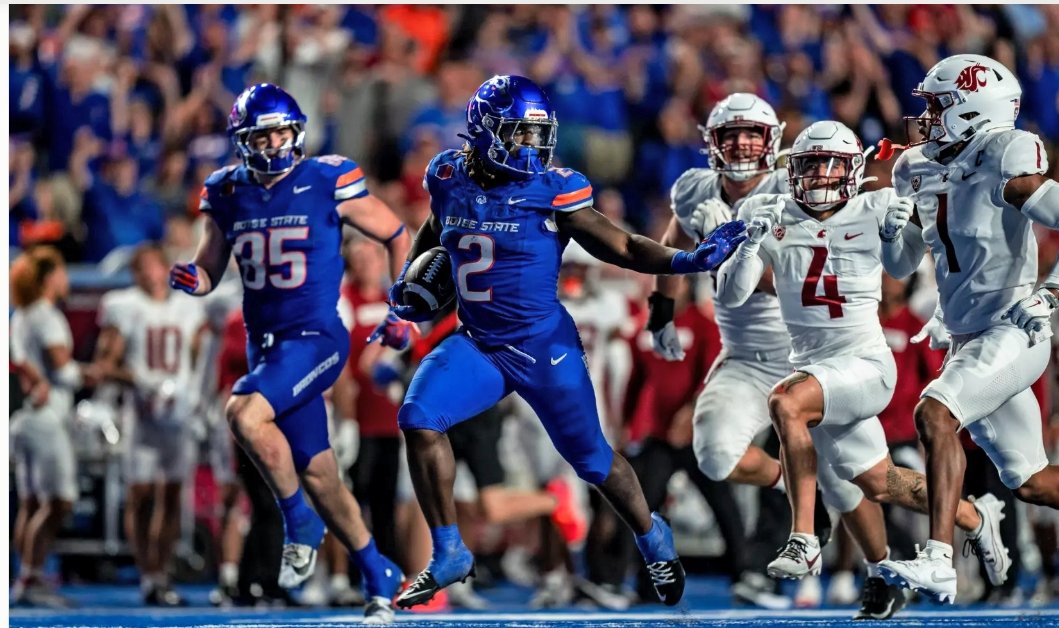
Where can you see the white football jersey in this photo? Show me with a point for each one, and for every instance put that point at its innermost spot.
(599, 318)
(158, 337)
(985, 253)
(34, 330)
(828, 275)
(755, 325)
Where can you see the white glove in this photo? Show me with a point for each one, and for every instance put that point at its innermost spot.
(667, 343)
(935, 330)
(708, 215)
(898, 214)
(1033, 314)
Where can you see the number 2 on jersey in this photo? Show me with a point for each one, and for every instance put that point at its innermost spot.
(831, 298)
(251, 248)
(485, 246)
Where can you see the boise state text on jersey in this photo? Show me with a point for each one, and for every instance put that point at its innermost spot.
(505, 246)
(287, 239)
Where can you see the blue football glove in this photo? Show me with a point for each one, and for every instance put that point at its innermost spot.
(712, 251)
(184, 277)
(395, 332)
(383, 374)
(396, 294)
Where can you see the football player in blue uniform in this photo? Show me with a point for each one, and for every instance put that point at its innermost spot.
(281, 213)
(505, 216)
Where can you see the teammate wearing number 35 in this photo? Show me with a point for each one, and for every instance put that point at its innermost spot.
(281, 213)
(505, 216)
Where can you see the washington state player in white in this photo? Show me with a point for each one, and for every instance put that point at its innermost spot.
(971, 193)
(147, 339)
(742, 135)
(822, 242)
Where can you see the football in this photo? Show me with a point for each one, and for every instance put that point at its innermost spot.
(428, 282)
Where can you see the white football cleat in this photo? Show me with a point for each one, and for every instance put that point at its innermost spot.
(929, 572)
(988, 545)
(800, 558)
(297, 564)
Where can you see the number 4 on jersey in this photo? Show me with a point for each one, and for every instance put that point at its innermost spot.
(831, 298)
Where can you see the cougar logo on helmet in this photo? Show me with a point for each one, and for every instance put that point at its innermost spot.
(970, 78)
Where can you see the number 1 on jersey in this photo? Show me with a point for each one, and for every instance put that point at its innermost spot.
(943, 233)
(832, 299)
(485, 245)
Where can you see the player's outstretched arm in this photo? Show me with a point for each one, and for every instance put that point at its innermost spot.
(610, 243)
(740, 276)
(370, 215)
(200, 276)
(661, 303)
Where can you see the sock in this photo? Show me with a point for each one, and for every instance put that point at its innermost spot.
(300, 523)
(146, 582)
(445, 539)
(810, 539)
(656, 545)
(779, 484)
(339, 582)
(937, 549)
(229, 574)
(450, 560)
(381, 575)
(873, 568)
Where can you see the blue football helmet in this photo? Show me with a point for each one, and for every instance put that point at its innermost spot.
(506, 107)
(260, 108)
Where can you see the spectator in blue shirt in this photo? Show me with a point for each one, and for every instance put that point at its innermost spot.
(116, 212)
(74, 101)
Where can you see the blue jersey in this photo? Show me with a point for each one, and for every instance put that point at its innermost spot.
(287, 239)
(505, 246)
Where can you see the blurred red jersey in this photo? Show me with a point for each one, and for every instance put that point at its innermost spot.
(376, 413)
(657, 388)
(917, 365)
(231, 361)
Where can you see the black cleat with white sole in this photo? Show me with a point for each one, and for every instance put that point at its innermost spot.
(880, 600)
(424, 589)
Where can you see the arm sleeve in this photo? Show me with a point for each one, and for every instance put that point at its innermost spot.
(1022, 155)
(903, 256)
(738, 277)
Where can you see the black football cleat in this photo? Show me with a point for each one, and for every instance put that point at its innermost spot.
(668, 578)
(880, 600)
(424, 588)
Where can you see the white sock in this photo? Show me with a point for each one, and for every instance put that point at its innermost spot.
(937, 549)
(873, 568)
(146, 582)
(780, 485)
(339, 582)
(229, 574)
(810, 539)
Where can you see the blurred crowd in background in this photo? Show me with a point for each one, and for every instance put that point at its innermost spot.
(118, 113)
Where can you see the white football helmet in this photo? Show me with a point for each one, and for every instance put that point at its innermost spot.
(741, 110)
(966, 94)
(826, 165)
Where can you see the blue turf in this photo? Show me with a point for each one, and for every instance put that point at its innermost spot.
(707, 604)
